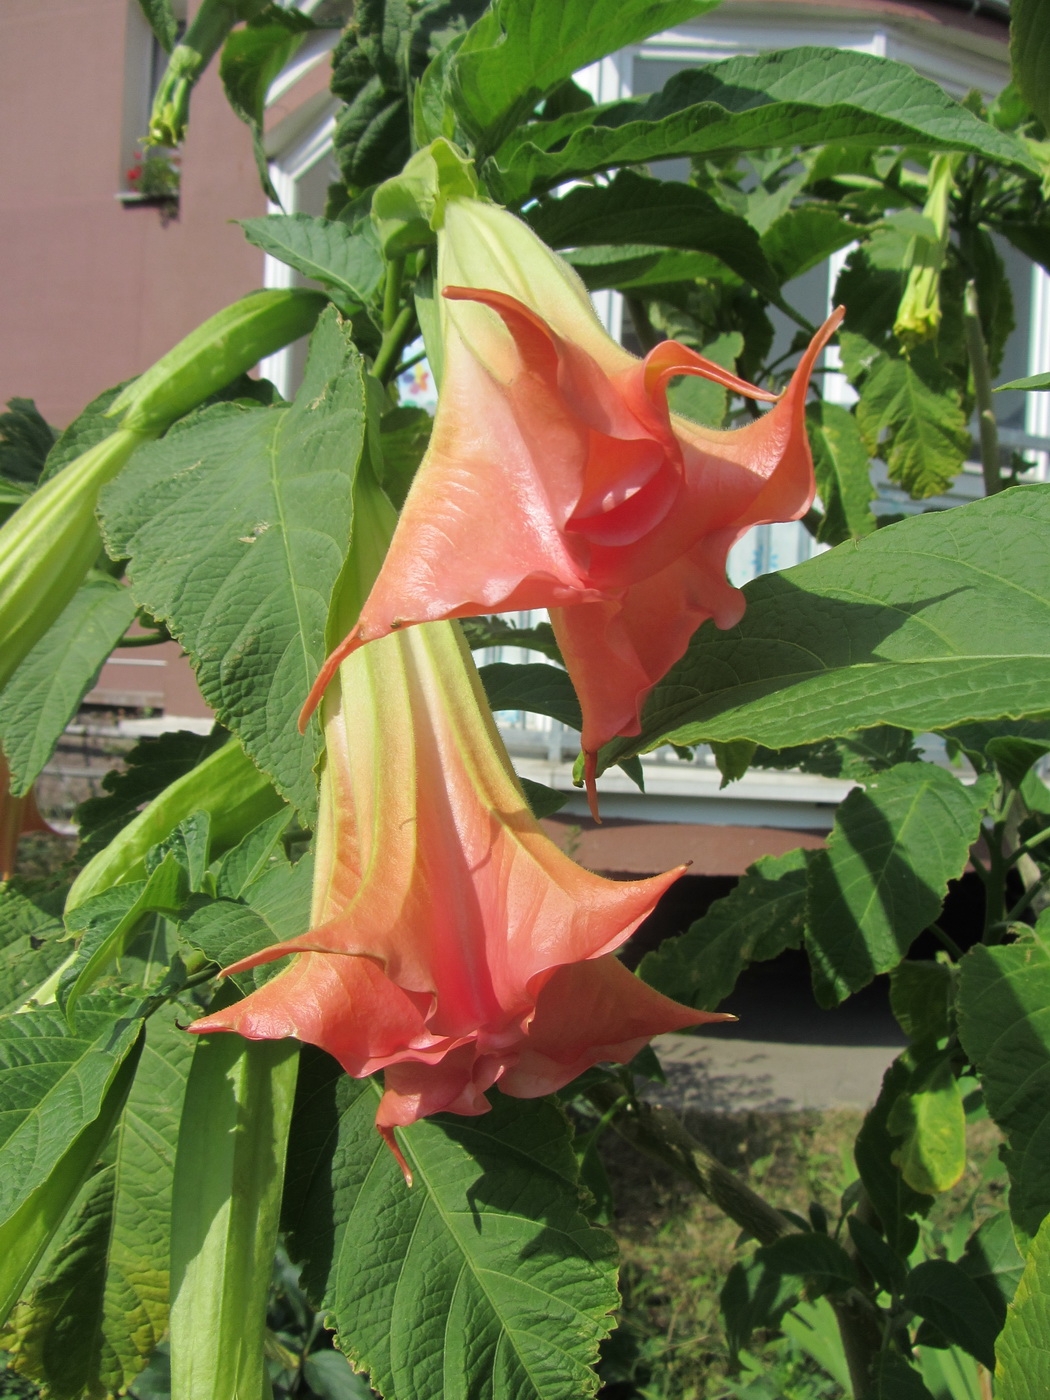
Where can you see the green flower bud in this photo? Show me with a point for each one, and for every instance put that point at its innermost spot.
(919, 314)
(48, 545)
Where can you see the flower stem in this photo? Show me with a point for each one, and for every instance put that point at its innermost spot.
(393, 339)
(988, 431)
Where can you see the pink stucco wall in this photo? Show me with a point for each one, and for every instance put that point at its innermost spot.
(92, 291)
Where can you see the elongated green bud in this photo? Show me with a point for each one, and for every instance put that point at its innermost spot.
(225, 1209)
(205, 36)
(919, 315)
(224, 346)
(49, 544)
(227, 785)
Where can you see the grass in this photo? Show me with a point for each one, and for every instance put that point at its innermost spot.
(677, 1249)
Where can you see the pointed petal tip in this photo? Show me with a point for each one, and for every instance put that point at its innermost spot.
(387, 1134)
(324, 678)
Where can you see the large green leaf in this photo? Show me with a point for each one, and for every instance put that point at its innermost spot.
(251, 58)
(1023, 1348)
(947, 1296)
(350, 264)
(25, 440)
(29, 946)
(843, 472)
(60, 1097)
(532, 685)
(762, 916)
(756, 1294)
(1004, 1025)
(236, 527)
(633, 209)
(484, 1281)
(885, 872)
(1030, 54)
(896, 1203)
(940, 619)
(802, 237)
(910, 413)
(45, 692)
(99, 1303)
(794, 97)
(520, 50)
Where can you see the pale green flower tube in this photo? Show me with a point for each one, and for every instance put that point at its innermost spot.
(49, 544)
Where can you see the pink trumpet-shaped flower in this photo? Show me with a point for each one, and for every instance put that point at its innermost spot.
(558, 478)
(452, 944)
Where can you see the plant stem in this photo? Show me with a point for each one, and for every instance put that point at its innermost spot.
(946, 940)
(392, 292)
(982, 387)
(390, 349)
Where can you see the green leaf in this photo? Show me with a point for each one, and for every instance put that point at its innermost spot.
(843, 472)
(1004, 1025)
(912, 409)
(484, 1279)
(875, 1151)
(253, 856)
(225, 1207)
(630, 266)
(45, 692)
(1035, 381)
(60, 1096)
(543, 801)
(29, 946)
(107, 922)
(992, 1260)
(947, 1296)
(893, 1379)
(932, 622)
(1024, 1346)
(885, 1266)
(795, 97)
(25, 440)
(349, 264)
(885, 872)
(520, 50)
(276, 907)
(636, 209)
(857, 756)
(756, 1294)
(99, 1303)
(1015, 756)
(498, 632)
(802, 238)
(1030, 54)
(762, 916)
(161, 19)
(251, 59)
(534, 686)
(922, 995)
(236, 527)
(928, 1115)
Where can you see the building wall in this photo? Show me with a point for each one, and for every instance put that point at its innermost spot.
(93, 290)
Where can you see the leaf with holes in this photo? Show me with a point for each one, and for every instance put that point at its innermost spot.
(484, 1279)
(236, 526)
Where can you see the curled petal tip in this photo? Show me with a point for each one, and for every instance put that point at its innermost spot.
(387, 1134)
(324, 678)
